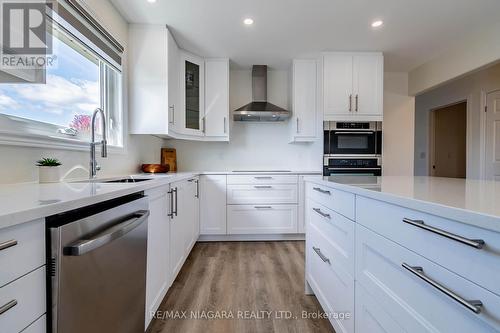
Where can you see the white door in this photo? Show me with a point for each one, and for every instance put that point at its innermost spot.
(192, 94)
(304, 100)
(177, 229)
(213, 204)
(492, 158)
(158, 270)
(174, 110)
(368, 73)
(217, 98)
(337, 84)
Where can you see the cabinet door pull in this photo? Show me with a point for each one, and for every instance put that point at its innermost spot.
(197, 188)
(350, 102)
(262, 207)
(263, 186)
(263, 177)
(475, 243)
(172, 108)
(7, 244)
(8, 306)
(175, 191)
(321, 255)
(171, 195)
(297, 125)
(357, 102)
(320, 190)
(317, 210)
(474, 306)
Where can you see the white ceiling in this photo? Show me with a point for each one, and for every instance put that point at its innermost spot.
(414, 31)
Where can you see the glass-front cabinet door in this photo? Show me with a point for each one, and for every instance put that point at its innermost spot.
(193, 79)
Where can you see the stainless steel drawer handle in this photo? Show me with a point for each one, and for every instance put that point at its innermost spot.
(129, 223)
(475, 243)
(320, 190)
(8, 306)
(321, 255)
(475, 306)
(263, 186)
(7, 244)
(263, 177)
(317, 210)
(262, 207)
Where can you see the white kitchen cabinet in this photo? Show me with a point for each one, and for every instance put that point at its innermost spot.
(262, 194)
(261, 219)
(213, 204)
(158, 261)
(191, 205)
(192, 71)
(217, 99)
(304, 122)
(353, 86)
(153, 81)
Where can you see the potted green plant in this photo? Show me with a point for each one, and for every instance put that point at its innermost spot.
(49, 170)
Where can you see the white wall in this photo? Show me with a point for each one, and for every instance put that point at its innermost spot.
(468, 88)
(473, 51)
(252, 145)
(398, 126)
(18, 163)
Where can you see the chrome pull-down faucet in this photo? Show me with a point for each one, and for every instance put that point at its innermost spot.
(104, 149)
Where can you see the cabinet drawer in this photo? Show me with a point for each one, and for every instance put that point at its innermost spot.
(22, 249)
(39, 326)
(261, 194)
(332, 285)
(370, 317)
(337, 231)
(261, 179)
(28, 295)
(336, 200)
(414, 297)
(479, 265)
(263, 219)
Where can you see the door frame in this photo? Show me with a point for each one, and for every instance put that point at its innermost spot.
(432, 142)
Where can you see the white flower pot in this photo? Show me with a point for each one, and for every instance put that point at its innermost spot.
(49, 174)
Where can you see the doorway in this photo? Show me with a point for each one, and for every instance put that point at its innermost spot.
(448, 137)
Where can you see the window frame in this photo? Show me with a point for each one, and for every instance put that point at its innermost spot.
(18, 131)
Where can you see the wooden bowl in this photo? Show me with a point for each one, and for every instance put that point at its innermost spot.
(155, 168)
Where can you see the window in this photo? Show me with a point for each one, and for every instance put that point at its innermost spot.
(62, 107)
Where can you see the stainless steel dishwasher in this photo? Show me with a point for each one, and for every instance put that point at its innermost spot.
(97, 266)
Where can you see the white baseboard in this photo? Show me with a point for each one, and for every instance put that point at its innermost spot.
(238, 238)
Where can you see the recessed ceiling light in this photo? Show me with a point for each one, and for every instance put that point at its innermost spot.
(248, 21)
(151, 1)
(377, 23)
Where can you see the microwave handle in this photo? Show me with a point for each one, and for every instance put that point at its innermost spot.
(352, 132)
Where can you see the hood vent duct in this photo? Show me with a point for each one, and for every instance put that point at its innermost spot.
(260, 109)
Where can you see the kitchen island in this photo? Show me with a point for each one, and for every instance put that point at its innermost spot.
(415, 254)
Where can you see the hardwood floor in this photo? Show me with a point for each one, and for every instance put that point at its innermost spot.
(251, 281)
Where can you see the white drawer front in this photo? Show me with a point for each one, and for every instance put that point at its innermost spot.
(338, 201)
(23, 250)
(370, 317)
(416, 304)
(332, 285)
(261, 194)
(39, 326)
(479, 265)
(29, 294)
(337, 230)
(261, 219)
(261, 179)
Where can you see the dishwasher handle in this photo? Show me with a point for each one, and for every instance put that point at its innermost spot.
(84, 246)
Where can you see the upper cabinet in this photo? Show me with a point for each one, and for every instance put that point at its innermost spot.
(217, 99)
(173, 93)
(353, 86)
(304, 122)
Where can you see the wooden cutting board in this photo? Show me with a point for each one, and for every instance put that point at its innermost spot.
(169, 156)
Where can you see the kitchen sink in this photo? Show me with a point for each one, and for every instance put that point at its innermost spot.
(125, 180)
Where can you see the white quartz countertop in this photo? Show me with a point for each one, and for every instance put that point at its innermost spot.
(475, 202)
(267, 172)
(25, 202)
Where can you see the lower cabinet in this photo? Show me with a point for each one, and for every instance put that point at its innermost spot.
(213, 204)
(158, 262)
(261, 219)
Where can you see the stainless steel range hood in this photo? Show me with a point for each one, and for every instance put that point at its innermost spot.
(260, 109)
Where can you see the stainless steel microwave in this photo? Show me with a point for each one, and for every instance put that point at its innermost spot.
(352, 138)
